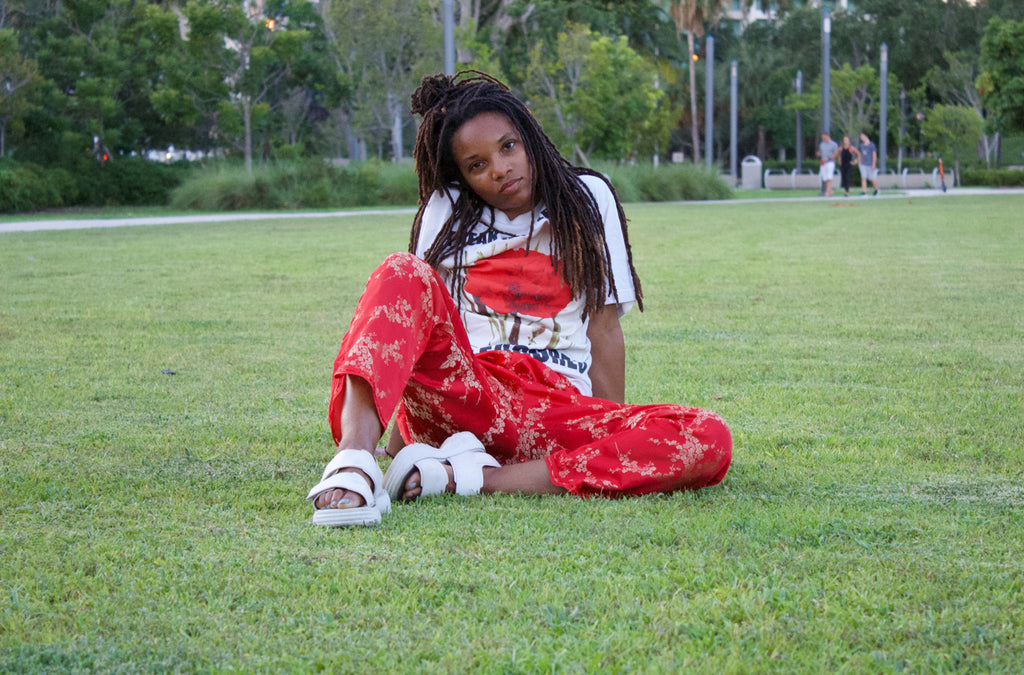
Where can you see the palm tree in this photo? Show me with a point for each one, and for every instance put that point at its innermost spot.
(690, 17)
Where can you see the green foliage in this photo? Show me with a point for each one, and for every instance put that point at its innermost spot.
(993, 177)
(673, 182)
(596, 96)
(24, 188)
(298, 185)
(1002, 77)
(315, 185)
(122, 180)
(1012, 150)
(953, 130)
(336, 77)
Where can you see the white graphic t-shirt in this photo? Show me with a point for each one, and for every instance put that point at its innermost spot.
(515, 299)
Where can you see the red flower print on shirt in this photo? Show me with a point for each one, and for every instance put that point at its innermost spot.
(519, 282)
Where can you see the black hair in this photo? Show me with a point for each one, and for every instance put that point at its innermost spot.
(577, 230)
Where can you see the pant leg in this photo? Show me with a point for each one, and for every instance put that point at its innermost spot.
(406, 331)
(593, 446)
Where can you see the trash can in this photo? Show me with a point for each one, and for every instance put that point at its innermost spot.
(750, 172)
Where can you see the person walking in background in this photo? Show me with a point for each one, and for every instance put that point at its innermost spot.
(868, 164)
(846, 155)
(828, 150)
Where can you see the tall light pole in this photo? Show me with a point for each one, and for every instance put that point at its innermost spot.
(709, 101)
(883, 113)
(799, 120)
(903, 129)
(733, 117)
(826, 71)
(448, 24)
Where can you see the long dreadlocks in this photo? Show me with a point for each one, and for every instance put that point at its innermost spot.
(577, 230)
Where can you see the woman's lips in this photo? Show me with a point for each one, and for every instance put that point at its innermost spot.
(511, 186)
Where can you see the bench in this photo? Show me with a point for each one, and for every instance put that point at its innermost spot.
(777, 179)
(913, 181)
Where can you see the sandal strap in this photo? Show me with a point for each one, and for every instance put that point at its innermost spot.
(355, 459)
(347, 480)
(433, 477)
(463, 441)
(468, 471)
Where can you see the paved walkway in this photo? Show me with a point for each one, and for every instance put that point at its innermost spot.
(86, 223)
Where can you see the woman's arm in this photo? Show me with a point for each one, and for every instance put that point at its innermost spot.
(608, 352)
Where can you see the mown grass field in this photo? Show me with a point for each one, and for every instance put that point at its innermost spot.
(867, 354)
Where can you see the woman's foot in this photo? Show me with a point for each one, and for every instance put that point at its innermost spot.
(350, 491)
(413, 489)
(530, 477)
(342, 499)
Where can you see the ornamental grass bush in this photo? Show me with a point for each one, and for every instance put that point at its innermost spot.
(993, 177)
(316, 185)
(309, 184)
(674, 182)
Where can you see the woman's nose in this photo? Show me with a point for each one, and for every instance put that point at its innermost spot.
(499, 168)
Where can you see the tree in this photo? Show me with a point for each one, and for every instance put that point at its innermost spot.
(954, 83)
(953, 129)
(383, 47)
(1002, 79)
(596, 96)
(18, 78)
(236, 62)
(690, 17)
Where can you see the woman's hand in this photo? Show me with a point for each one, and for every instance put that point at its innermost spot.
(608, 354)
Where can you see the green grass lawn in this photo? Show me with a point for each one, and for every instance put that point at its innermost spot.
(867, 355)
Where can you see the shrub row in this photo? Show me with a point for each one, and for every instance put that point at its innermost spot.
(993, 177)
(314, 185)
(297, 185)
(129, 181)
(667, 183)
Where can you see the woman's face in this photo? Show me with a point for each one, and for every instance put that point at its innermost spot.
(492, 160)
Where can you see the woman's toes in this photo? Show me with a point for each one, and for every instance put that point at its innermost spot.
(414, 489)
(412, 486)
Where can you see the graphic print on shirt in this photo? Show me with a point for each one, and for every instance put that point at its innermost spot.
(519, 281)
(513, 297)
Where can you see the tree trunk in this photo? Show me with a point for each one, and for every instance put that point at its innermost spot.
(693, 99)
(583, 158)
(247, 120)
(396, 128)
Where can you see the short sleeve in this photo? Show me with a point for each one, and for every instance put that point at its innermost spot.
(435, 214)
(625, 291)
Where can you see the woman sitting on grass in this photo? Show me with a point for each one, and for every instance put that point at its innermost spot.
(497, 339)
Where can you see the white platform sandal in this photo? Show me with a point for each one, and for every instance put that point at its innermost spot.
(377, 500)
(463, 452)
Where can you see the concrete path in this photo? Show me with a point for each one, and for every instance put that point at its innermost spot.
(85, 223)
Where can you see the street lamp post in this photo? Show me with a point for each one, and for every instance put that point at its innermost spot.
(733, 117)
(799, 120)
(709, 102)
(883, 113)
(448, 21)
(826, 72)
(903, 129)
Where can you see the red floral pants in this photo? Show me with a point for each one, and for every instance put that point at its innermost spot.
(408, 342)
